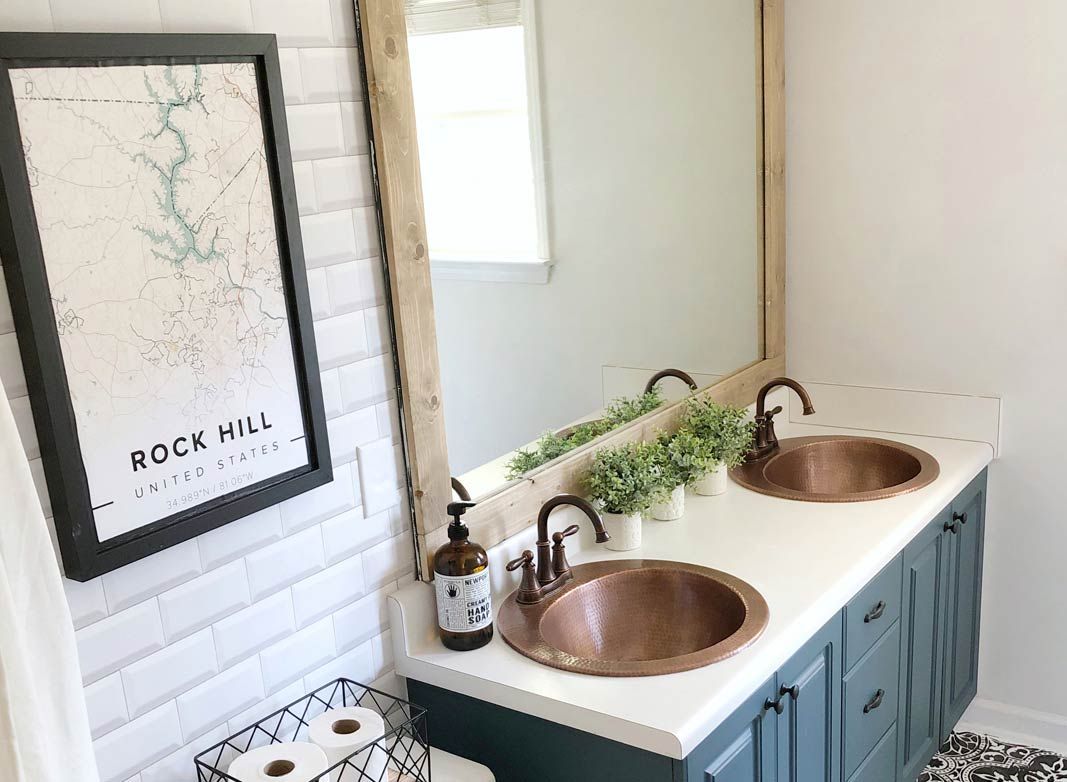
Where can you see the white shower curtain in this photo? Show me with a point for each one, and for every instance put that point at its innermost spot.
(44, 730)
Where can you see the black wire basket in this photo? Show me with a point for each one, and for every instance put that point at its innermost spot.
(405, 741)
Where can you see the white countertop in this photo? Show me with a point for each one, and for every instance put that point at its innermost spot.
(806, 559)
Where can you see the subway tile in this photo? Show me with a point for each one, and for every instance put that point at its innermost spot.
(123, 638)
(11, 367)
(326, 592)
(378, 330)
(343, 17)
(319, 69)
(178, 766)
(315, 131)
(318, 293)
(379, 474)
(357, 623)
(367, 382)
(204, 600)
(7, 320)
(332, 401)
(240, 537)
(356, 285)
(297, 655)
(129, 16)
(148, 577)
(106, 705)
(266, 707)
(295, 24)
(285, 562)
(206, 16)
(343, 182)
(328, 237)
(139, 743)
(350, 533)
(388, 419)
(365, 220)
(357, 665)
(341, 340)
(292, 80)
(388, 561)
(86, 601)
(167, 674)
(354, 128)
(320, 503)
(26, 16)
(253, 629)
(304, 178)
(219, 698)
(20, 409)
(350, 431)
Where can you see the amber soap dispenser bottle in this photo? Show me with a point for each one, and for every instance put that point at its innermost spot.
(461, 580)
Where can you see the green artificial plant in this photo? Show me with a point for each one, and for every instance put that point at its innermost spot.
(628, 479)
(727, 429)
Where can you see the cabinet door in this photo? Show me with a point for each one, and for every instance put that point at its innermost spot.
(922, 645)
(964, 602)
(809, 728)
(742, 749)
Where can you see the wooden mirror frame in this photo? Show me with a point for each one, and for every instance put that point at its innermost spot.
(382, 34)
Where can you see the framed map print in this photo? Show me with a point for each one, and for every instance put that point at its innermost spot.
(152, 253)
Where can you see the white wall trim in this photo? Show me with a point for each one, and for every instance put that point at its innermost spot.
(1016, 724)
(534, 271)
(903, 411)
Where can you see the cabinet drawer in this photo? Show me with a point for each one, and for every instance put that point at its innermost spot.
(873, 611)
(871, 699)
(881, 764)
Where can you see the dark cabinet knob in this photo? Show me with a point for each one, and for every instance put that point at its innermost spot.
(960, 517)
(874, 613)
(777, 705)
(952, 526)
(874, 702)
(793, 692)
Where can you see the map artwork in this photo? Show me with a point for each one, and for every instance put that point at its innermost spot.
(153, 200)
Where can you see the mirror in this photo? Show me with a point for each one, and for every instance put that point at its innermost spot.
(592, 184)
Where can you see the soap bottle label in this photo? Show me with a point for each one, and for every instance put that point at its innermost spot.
(464, 603)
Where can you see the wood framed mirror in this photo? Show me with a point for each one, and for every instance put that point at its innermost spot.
(696, 118)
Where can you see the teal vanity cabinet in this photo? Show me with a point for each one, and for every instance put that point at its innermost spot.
(939, 640)
(869, 698)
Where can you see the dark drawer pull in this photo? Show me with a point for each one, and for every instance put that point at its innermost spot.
(952, 526)
(875, 613)
(874, 702)
(793, 692)
(777, 705)
(960, 517)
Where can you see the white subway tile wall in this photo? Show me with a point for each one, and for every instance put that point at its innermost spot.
(204, 638)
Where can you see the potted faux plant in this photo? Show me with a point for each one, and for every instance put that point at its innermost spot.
(729, 434)
(687, 459)
(626, 481)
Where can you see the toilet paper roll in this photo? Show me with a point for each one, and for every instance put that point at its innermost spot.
(341, 732)
(296, 761)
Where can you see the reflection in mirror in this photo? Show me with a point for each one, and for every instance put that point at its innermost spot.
(591, 176)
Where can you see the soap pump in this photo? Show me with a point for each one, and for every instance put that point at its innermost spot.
(461, 581)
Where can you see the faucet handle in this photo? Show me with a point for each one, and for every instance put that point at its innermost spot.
(526, 560)
(767, 416)
(558, 537)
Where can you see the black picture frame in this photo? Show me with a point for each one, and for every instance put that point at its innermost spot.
(84, 556)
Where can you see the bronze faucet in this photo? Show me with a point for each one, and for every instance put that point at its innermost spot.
(766, 440)
(683, 376)
(553, 570)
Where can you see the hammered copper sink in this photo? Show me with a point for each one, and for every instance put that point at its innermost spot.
(839, 468)
(637, 617)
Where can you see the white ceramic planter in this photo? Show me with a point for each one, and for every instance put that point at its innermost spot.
(715, 482)
(625, 531)
(671, 509)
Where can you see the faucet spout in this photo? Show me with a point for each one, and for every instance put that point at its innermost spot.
(766, 439)
(547, 576)
(685, 377)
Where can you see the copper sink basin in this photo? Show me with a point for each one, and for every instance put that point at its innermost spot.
(838, 468)
(637, 617)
